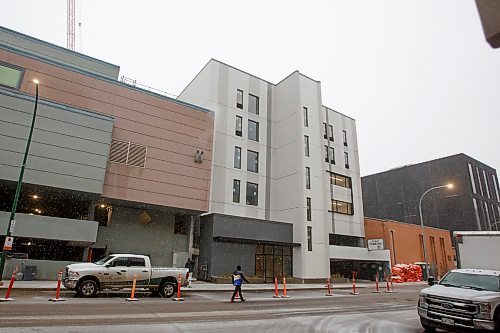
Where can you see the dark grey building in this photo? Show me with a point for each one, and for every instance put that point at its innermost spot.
(472, 204)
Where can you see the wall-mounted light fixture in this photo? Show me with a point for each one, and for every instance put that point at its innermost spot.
(198, 157)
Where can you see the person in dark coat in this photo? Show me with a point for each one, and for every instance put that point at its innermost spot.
(238, 279)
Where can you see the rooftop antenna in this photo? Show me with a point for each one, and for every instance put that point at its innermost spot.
(71, 25)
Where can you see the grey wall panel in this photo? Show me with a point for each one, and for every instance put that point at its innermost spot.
(226, 256)
(47, 227)
(69, 148)
(246, 228)
(45, 269)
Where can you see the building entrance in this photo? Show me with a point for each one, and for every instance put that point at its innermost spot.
(273, 261)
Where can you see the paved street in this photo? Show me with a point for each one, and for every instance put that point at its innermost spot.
(304, 311)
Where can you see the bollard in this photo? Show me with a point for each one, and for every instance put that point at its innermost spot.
(132, 294)
(11, 284)
(354, 284)
(392, 286)
(276, 290)
(329, 293)
(284, 289)
(58, 290)
(179, 282)
(377, 290)
(387, 286)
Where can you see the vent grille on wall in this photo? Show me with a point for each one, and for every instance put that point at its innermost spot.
(127, 153)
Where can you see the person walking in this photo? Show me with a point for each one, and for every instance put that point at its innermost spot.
(238, 279)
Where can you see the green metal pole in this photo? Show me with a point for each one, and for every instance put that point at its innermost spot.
(19, 183)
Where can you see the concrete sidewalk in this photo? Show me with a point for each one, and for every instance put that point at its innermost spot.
(201, 286)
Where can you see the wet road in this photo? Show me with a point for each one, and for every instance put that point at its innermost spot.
(305, 311)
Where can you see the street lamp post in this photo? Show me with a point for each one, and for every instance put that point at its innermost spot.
(422, 222)
(12, 222)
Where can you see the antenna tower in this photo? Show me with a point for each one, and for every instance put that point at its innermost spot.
(71, 25)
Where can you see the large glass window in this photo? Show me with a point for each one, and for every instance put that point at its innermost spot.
(239, 126)
(253, 161)
(252, 194)
(340, 180)
(253, 130)
(271, 261)
(10, 76)
(239, 99)
(342, 207)
(306, 117)
(237, 157)
(306, 145)
(253, 104)
(236, 190)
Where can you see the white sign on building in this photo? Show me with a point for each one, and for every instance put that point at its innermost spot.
(375, 244)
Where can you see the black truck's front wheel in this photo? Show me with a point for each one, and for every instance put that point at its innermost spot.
(167, 289)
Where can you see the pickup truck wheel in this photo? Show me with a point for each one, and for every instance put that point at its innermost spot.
(426, 326)
(167, 289)
(87, 288)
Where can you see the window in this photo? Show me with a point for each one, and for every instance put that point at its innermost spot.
(120, 262)
(308, 178)
(239, 99)
(345, 240)
(326, 154)
(308, 209)
(253, 130)
(332, 155)
(306, 117)
(253, 104)
(346, 160)
(10, 76)
(342, 207)
(309, 239)
(236, 190)
(239, 126)
(306, 145)
(252, 161)
(181, 224)
(136, 262)
(340, 180)
(344, 134)
(325, 135)
(237, 157)
(331, 132)
(252, 194)
(129, 153)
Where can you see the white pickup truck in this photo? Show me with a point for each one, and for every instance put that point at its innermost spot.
(464, 298)
(117, 271)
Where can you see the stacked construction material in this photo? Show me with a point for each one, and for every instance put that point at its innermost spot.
(406, 273)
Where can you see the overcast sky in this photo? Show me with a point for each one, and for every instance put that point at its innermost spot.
(418, 76)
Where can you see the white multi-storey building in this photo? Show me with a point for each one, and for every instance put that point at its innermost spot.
(286, 189)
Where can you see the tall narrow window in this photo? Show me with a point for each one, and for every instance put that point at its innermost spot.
(326, 154)
(237, 157)
(332, 155)
(306, 145)
(325, 134)
(308, 178)
(253, 104)
(253, 161)
(306, 117)
(308, 209)
(309, 239)
(346, 160)
(239, 126)
(236, 190)
(253, 130)
(344, 134)
(471, 176)
(330, 127)
(239, 99)
(252, 194)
